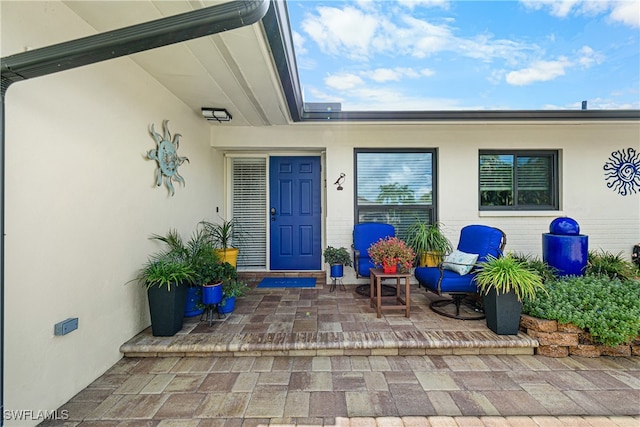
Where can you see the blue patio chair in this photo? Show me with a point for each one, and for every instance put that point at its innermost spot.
(455, 275)
(364, 235)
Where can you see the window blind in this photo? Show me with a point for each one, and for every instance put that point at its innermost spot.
(249, 207)
(496, 173)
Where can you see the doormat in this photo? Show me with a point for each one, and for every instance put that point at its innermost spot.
(385, 290)
(287, 282)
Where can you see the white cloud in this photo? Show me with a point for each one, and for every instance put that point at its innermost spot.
(539, 71)
(382, 75)
(383, 99)
(588, 57)
(347, 31)
(343, 81)
(484, 48)
(559, 8)
(444, 4)
(427, 38)
(626, 12)
(298, 43)
(358, 34)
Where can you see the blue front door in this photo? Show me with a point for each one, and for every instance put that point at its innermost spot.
(294, 187)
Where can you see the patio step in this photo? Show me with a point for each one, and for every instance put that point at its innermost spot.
(323, 322)
(402, 343)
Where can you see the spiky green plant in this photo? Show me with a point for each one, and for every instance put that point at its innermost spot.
(507, 273)
(425, 237)
(166, 271)
(546, 272)
(221, 235)
(602, 262)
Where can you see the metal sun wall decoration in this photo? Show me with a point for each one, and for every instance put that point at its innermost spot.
(166, 154)
(622, 171)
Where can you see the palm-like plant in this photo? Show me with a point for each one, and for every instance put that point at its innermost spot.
(197, 253)
(220, 235)
(425, 237)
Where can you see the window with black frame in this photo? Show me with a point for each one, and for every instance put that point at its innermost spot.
(395, 186)
(518, 180)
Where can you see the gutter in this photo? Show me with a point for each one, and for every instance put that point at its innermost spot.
(98, 48)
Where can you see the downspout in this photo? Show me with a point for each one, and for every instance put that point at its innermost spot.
(98, 48)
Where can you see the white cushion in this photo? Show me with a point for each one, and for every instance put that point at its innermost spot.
(460, 262)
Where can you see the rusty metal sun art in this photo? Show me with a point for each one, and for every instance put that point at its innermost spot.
(622, 171)
(166, 154)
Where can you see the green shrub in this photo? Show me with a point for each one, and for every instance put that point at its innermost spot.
(602, 262)
(544, 270)
(609, 309)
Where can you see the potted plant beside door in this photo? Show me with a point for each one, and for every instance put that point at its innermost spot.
(337, 258)
(222, 235)
(504, 282)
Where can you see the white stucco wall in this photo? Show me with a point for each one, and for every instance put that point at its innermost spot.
(80, 206)
(611, 221)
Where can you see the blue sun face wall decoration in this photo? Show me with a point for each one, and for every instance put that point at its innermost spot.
(622, 171)
(166, 155)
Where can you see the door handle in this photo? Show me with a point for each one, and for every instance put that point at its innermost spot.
(273, 214)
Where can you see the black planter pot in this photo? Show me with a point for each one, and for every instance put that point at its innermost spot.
(502, 312)
(166, 309)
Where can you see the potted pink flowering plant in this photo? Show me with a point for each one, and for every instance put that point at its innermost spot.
(391, 252)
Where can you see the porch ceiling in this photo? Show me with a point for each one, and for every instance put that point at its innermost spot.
(232, 70)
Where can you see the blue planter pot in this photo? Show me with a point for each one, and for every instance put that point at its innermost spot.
(227, 305)
(193, 307)
(212, 294)
(569, 254)
(337, 270)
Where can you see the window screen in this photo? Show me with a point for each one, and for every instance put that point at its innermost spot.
(512, 180)
(395, 187)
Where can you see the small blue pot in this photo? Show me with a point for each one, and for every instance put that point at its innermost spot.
(337, 270)
(212, 294)
(227, 305)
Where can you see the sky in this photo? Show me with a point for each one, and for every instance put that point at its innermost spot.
(387, 55)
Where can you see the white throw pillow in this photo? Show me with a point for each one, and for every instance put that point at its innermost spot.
(460, 262)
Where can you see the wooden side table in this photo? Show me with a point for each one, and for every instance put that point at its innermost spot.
(397, 301)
